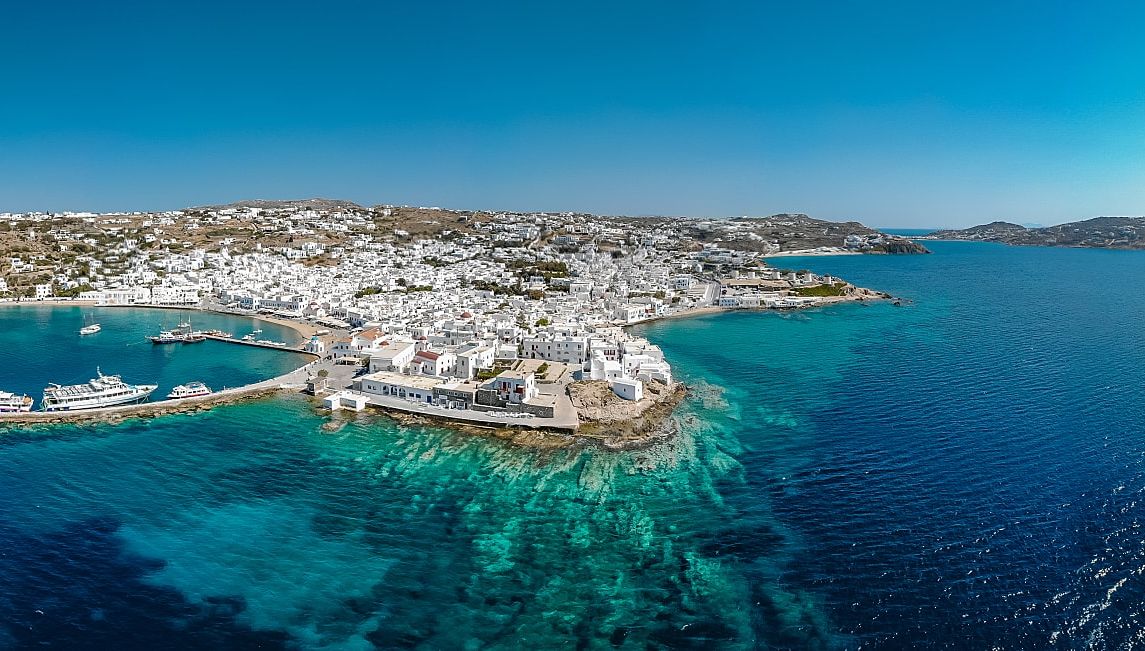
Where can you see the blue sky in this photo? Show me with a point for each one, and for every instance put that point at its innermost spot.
(911, 114)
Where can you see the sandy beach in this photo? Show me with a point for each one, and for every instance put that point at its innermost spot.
(810, 252)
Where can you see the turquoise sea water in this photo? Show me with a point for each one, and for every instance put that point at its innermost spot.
(965, 471)
(42, 345)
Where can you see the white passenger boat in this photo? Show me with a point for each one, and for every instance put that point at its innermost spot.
(190, 390)
(101, 391)
(12, 402)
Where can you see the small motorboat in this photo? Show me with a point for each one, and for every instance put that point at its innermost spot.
(190, 390)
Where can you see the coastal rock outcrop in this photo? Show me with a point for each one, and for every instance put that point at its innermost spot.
(619, 423)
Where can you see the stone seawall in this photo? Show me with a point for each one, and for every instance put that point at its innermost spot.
(293, 380)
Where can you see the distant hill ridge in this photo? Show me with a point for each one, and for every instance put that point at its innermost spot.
(316, 203)
(763, 234)
(1098, 232)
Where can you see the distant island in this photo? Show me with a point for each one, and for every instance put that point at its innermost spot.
(1099, 232)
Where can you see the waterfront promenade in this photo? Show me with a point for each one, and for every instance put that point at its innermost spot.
(564, 418)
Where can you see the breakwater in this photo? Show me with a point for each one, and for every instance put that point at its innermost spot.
(288, 381)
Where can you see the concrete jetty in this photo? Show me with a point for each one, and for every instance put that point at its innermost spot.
(257, 344)
(295, 379)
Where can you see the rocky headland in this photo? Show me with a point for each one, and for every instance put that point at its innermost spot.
(620, 424)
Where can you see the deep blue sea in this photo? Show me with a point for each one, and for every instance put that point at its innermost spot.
(966, 471)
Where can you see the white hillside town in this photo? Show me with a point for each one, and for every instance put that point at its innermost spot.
(467, 310)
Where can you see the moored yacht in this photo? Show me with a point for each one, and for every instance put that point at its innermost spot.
(190, 390)
(89, 328)
(101, 391)
(166, 337)
(12, 402)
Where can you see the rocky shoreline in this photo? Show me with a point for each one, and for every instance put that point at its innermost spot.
(619, 424)
(605, 420)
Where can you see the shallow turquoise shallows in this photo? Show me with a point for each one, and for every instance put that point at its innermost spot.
(42, 344)
(964, 471)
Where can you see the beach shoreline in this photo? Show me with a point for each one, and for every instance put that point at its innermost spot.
(862, 295)
(304, 330)
(800, 253)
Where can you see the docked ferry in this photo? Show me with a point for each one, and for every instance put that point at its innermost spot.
(101, 391)
(190, 390)
(11, 402)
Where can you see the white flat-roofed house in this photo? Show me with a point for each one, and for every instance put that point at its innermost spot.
(183, 295)
(428, 362)
(580, 287)
(514, 387)
(394, 356)
(627, 388)
(683, 283)
(345, 400)
(473, 359)
(565, 349)
(119, 296)
(415, 388)
(610, 350)
(601, 368)
(649, 371)
(629, 313)
(358, 345)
